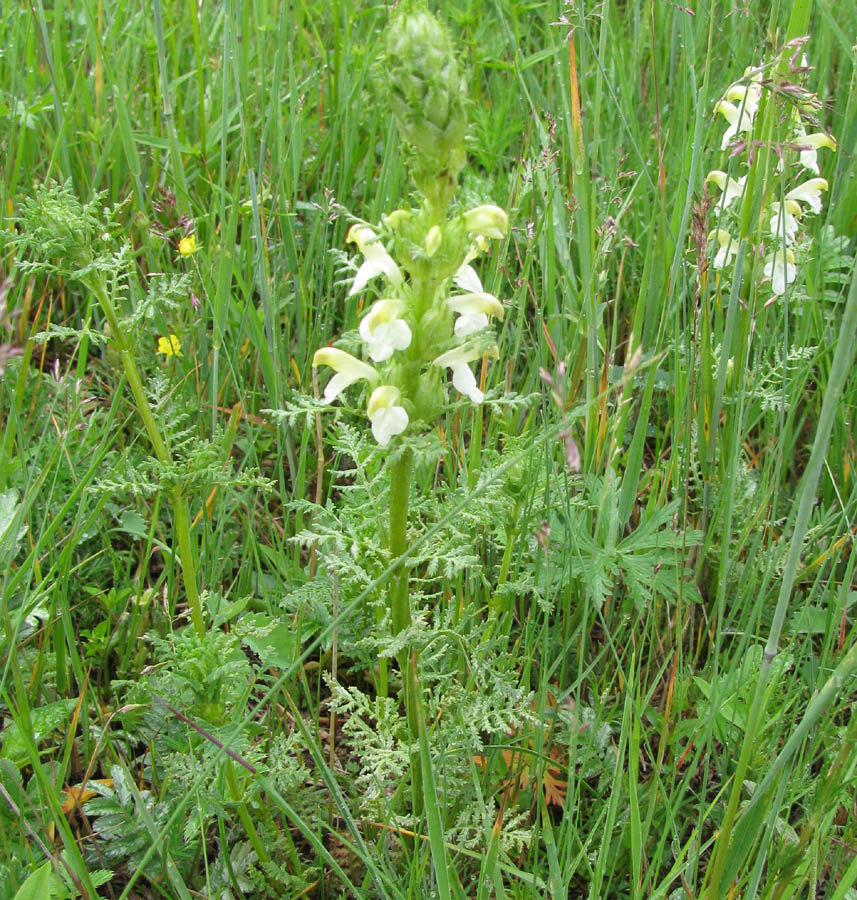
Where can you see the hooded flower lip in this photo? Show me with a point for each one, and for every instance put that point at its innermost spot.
(781, 269)
(348, 369)
(383, 331)
(739, 119)
(474, 310)
(376, 259)
(746, 95)
(727, 244)
(731, 187)
(458, 360)
(487, 220)
(809, 192)
(784, 219)
(809, 144)
(387, 415)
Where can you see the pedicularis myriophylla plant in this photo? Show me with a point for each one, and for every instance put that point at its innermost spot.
(772, 121)
(432, 318)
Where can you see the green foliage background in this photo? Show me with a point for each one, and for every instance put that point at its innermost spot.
(636, 595)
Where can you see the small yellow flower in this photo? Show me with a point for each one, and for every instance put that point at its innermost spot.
(188, 245)
(169, 346)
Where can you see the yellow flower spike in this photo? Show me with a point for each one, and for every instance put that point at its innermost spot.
(188, 245)
(169, 346)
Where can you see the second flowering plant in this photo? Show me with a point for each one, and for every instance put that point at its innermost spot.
(788, 192)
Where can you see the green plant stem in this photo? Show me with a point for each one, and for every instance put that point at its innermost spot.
(244, 815)
(181, 519)
(400, 488)
(400, 608)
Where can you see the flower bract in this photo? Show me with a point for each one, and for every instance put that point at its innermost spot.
(348, 369)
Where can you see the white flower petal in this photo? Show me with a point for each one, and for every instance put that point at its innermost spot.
(781, 269)
(477, 302)
(784, 221)
(467, 279)
(387, 423)
(727, 247)
(809, 192)
(383, 331)
(811, 144)
(470, 323)
(376, 259)
(387, 415)
(739, 120)
(732, 188)
(464, 381)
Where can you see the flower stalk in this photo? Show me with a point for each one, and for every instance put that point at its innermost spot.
(181, 518)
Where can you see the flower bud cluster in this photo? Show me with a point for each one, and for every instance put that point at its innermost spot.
(426, 90)
(781, 238)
